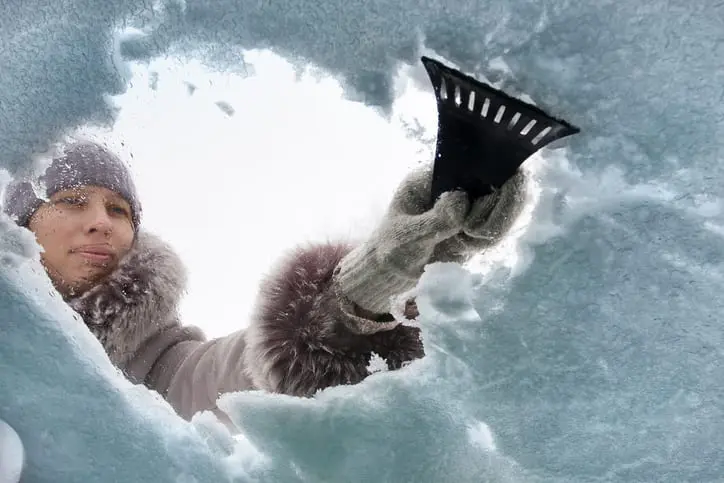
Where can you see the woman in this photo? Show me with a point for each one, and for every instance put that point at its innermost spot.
(320, 314)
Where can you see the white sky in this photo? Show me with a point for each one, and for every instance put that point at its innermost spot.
(296, 162)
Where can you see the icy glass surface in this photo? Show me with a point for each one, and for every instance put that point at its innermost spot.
(586, 348)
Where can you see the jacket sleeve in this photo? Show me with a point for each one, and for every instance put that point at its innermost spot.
(301, 339)
(190, 372)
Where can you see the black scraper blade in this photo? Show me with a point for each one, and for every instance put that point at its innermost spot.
(484, 135)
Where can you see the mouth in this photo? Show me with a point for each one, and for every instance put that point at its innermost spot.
(95, 255)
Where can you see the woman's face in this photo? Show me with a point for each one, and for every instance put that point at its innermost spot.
(84, 233)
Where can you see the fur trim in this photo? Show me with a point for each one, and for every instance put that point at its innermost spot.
(301, 339)
(138, 300)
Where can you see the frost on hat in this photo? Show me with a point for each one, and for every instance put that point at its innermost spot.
(80, 164)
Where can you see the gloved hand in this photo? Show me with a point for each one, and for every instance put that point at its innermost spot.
(416, 232)
(486, 224)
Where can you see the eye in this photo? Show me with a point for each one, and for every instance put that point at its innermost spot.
(119, 210)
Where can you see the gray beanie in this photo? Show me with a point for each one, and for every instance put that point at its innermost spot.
(80, 164)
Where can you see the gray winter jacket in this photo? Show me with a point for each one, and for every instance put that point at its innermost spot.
(298, 341)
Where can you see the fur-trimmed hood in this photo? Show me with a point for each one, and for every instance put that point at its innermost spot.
(139, 299)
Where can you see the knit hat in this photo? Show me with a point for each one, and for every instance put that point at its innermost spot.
(80, 164)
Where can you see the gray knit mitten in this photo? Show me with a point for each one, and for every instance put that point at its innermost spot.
(416, 232)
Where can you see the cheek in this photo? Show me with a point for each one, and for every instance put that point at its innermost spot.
(54, 242)
(124, 236)
(55, 255)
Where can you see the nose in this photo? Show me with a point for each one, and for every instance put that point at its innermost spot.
(98, 219)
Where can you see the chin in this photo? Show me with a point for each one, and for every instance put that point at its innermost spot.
(88, 278)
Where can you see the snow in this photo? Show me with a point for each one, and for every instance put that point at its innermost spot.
(11, 454)
(587, 347)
